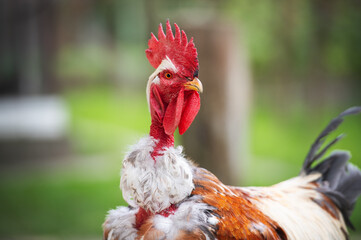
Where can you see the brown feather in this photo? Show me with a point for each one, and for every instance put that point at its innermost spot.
(186, 235)
(238, 217)
(327, 205)
(148, 232)
(105, 231)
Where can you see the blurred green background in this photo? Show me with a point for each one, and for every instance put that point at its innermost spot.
(304, 57)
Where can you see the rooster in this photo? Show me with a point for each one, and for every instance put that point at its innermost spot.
(169, 197)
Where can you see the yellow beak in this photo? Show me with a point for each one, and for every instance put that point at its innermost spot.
(195, 85)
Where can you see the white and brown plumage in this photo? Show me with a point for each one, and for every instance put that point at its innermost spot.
(170, 198)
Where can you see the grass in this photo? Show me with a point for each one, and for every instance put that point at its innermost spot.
(71, 197)
(56, 202)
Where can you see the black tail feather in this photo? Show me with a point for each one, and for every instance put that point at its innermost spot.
(333, 125)
(340, 181)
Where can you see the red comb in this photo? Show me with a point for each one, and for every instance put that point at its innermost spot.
(182, 53)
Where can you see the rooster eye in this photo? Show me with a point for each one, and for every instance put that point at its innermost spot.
(168, 75)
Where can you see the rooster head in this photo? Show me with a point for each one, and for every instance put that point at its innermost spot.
(173, 89)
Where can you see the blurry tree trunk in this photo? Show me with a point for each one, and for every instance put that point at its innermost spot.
(28, 47)
(218, 138)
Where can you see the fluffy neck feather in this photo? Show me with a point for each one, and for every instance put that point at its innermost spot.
(155, 185)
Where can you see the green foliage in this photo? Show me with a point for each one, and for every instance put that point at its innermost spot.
(88, 63)
(299, 39)
(104, 119)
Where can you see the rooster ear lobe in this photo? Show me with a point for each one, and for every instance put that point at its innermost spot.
(191, 107)
(173, 113)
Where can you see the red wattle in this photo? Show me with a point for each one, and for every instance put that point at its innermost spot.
(192, 105)
(180, 112)
(173, 113)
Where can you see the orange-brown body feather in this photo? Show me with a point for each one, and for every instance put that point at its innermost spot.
(238, 217)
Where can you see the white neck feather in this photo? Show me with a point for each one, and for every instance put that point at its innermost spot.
(155, 185)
